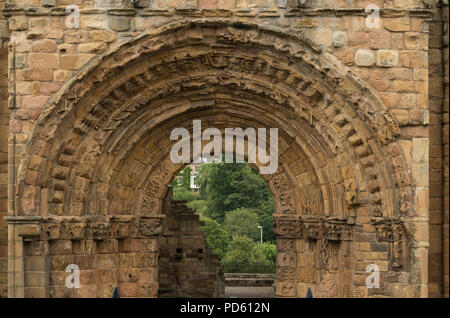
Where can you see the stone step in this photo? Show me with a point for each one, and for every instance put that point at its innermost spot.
(249, 282)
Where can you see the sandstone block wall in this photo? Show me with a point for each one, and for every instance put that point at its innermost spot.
(4, 128)
(187, 268)
(439, 195)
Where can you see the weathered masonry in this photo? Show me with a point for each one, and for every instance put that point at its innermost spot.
(361, 105)
(186, 267)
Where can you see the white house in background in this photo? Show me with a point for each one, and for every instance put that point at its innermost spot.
(194, 172)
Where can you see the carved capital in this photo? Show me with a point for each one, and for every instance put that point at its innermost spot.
(29, 231)
(394, 232)
(387, 230)
(287, 227)
(79, 228)
(149, 227)
(333, 229)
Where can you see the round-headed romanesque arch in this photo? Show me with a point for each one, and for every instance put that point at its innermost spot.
(97, 165)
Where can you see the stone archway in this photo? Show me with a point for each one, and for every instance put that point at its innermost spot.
(96, 167)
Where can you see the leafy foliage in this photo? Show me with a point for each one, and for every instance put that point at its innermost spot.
(229, 186)
(217, 238)
(269, 250)
(233, 201)
(243, 222)
(243, 250)
(199, 206)
(181, 193)
(265, 212)
(186, 181)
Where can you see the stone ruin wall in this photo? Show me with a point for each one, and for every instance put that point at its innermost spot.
(187, 268)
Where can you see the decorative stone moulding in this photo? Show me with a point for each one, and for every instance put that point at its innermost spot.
(390, 229)
(333, 229)
(393, 231)
(81, 229)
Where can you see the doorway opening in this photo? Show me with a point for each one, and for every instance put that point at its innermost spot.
(218, 229)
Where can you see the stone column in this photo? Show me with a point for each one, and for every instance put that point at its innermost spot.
(287, 269)
(18, 228)
(287, 231)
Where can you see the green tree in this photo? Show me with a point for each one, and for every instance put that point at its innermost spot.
(199, 206)
(242, 250)
(228, 186)
(181, 193)
(242, 222)
(217, 238)
(265, 212)
(269, 250)
(186, 181)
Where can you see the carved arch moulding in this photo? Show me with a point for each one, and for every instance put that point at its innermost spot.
(305, 84)
(97, 163)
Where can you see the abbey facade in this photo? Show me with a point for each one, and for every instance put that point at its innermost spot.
(90, 91)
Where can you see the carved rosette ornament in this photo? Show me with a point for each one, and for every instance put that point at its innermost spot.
(285, 274)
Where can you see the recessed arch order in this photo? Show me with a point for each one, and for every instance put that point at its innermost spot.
(100, 148)
(246, 72)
